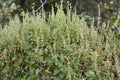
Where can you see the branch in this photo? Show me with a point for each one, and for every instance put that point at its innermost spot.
(39, 8)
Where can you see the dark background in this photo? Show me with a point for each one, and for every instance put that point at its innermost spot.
(109, 8)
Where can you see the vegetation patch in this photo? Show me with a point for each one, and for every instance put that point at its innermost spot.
(63, 48)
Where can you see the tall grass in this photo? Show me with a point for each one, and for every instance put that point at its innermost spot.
(63, 48)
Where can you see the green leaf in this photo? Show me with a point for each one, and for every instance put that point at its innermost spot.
(56, 71)
(62, 76)
(50, 61)
(1, 63)
(14, 58)
(37, 71)
(33, 77)
(32, 70)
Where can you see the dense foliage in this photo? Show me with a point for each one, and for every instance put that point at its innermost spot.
(64, 48)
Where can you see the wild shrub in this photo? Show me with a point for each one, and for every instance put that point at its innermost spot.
(64, 48)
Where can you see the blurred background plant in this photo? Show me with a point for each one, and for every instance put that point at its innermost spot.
(6, 8)
(109, 8)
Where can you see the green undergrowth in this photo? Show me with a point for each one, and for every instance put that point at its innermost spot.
(63, 48)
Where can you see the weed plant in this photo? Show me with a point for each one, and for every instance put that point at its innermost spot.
(63, 48)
